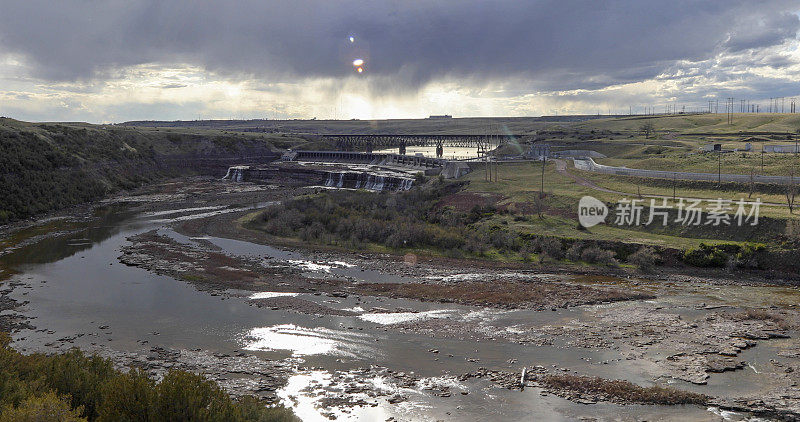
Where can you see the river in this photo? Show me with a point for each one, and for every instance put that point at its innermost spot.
(74, 287)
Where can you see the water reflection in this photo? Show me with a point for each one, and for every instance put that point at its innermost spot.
(450, 153)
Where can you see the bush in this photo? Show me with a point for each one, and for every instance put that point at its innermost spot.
(645, 258)
(476, 246)
(550, 246)
(71, 387)
(595, 255)
(751, 256)
(47, 407)
(127, 397)
(574, 252)
(706, 256)
(182, 396)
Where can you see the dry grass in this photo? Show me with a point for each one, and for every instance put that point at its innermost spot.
(762, 315)
(618, 390)
(504, 293)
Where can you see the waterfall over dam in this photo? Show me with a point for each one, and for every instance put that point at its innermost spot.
(368, 181)
(363, 177)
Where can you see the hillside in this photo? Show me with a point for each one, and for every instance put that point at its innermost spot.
(50, 166)
(700, 123)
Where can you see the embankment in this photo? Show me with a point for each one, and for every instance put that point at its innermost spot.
(48, 167)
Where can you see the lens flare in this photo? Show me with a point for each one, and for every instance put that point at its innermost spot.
(352, 39)
(358, 62)
(360, 70)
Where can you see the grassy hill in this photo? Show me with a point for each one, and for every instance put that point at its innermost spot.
(50, 166)
(699, 123)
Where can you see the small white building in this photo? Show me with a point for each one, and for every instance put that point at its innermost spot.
(781, 148)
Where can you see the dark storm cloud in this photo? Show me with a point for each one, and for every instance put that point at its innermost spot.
(554, 44)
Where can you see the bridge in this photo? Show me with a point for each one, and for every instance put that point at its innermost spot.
(484, 143)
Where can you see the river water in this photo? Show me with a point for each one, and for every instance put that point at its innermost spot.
(74, 286)
(450, 153)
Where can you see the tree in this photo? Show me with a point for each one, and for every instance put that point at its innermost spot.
(647, 129)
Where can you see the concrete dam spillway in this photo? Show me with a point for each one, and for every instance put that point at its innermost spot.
(346, 177)
(350, 170)
(368, 181)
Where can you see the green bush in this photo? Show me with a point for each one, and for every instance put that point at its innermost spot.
(752, 255)
(47, 407)
(72, 386)
(707, 256)
(182, 396)
(127, 398)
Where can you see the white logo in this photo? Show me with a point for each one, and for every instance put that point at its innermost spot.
(591, 211)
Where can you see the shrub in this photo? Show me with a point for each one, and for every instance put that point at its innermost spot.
(71, 387)
(645, 258)
(550, 246)
(80, 377)
(476, 246)
(526, 250)
(705, 256)
(127, 397)
(595, 255)
(574, 252)
(47, 407)
(182, 396)
(751, 255)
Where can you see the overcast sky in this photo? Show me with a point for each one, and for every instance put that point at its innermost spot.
(112, 61)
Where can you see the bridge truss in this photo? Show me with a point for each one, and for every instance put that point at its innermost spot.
(484, 143)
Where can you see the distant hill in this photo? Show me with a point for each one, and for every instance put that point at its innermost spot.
(459, 126)
(690, 123)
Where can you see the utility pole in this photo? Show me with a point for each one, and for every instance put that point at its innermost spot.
(544, 161)
(674, 176)
(719, 167)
